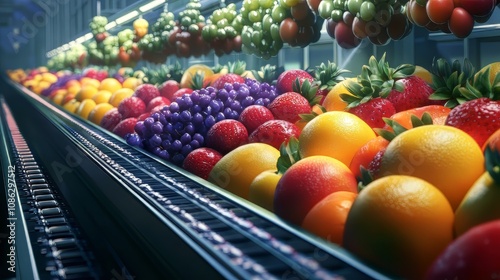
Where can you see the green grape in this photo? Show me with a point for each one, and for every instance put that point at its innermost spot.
(267, 21)
(354, 6)
(257, 38)
(205, 33)
(283, 4)
(278, 13)
(275, 32)
(367, 11)
(217, 16)
(193, 28)
(337, 15)
(238, 23)
(230, 31)
(257, 26)
(222, 23)
(244, 12)
(325, 9)
(221, 33)
(255, 16)
(266, 3)
(251, 4)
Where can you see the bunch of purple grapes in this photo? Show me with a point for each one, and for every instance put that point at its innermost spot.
(182, 126)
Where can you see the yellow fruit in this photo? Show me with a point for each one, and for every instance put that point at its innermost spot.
(423, 73)
(90, 81)
(72, 105)
(110, 84)
(74, 89)
(85, 107)
(335, 134)
(262, 188)
(399, 224)
(102, 96)
(188, 75)
(58, 98)
(236, 170)
(98, 112)
(494, 69)
(119, 95)
(131, 83)
(86, 92)
(445, 156)
(49, 77)
(332, 101)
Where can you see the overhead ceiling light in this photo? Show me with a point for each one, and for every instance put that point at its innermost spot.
(127, 17)
(151, 5)
(110, 25)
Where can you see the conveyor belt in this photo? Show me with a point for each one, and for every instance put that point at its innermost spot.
(55, 247)
(237, 239)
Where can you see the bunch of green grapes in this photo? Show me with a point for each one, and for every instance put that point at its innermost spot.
(97, 25)
(157, 40)
(260, 33)
(223, 30)
(191, 17)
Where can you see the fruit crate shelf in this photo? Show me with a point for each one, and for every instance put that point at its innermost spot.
(156, 221)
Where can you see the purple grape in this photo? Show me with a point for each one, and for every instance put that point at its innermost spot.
(155, 141)
(185, 116)
(195, 144)
(133, 139)
(186, 150)
(176, 145)
(185, 138)
(209, 121)
(189, 128)
(197, 119)
(164, 155)
(174, 107)
(178, 159)
(220, 117)
(157, 127)
(198, 137)
(166, 144)
(148, 122)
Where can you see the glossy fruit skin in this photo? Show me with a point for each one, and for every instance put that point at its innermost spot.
(476, 118)
(255, 115)
(461, 23)
(473, 255)
(366, 155)
(308, 181)
(236, 170)
(274, 133)
(479, 205)
(415, 94)
(125, 127)
(201, 161)
(493, 141)
(476, 7)
(157, 101)
(444, 156)
(284, 82)
(168, 88)
(438, 113)
(111, 119)
(288, 106)
(327, 218)
(289, 30)
(146, 92)
(226, 135)
(439, 11)
(131, 107)
(344, 36)
(324, 134)
(228, 78)
(262, 189)
(373, 111)
(399, 225)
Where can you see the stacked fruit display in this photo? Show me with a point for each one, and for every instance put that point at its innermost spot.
(155, 45)
(223, 30)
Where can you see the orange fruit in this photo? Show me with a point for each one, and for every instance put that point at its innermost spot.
(110, 84)
(399, 224)
(494, 69)
(236, 170)
(131, 83)
(86, 92)
(307, 182)
(58, 98)
(98, 112)
(327, 218)
(261, 190)
(445, 156)
(85, 107)
(90, 81)
(332, 101)
(423, 73)
(102, 96)
(335, 134)
(117, 96)
(71, 106)
(191, 71)
(493, 141)
(365, 155)
(438, 114)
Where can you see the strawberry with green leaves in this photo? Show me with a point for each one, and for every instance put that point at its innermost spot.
(475, 102)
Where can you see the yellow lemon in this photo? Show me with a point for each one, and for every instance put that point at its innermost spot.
(85, 107)
(102, 96)
(110, 84)
(98, 112)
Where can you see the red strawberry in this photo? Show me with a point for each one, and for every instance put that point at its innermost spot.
(201, 161)
(168, 88)
(125, 127)
(255, 115)
(288, 106)
(373, 111)
(142, 117)
(479, 118)
(181, 92)
(285, 80)
(226, 135)
(274, 133)
(157, 101)
(230, 78)
(131, 107)
(146, 92)
(111, 119)
(415, 94)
